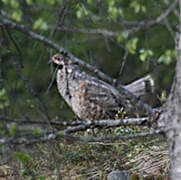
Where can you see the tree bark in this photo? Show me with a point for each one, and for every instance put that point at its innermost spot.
(172, 118)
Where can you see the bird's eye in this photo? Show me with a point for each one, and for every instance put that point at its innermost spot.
(57, 57)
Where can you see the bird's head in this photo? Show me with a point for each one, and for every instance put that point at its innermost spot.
(57, 60)
(62, 61)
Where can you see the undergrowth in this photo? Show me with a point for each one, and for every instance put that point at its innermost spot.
(144, 157)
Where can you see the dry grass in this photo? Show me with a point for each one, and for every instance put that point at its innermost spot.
(8, 173)
(143, 157)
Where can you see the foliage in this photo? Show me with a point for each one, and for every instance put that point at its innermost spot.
(144, 54)
(40, 24)
(106, 34)
(4, 100)
(168, 56)
(131, 45)
(85, 161)
(23, 157)
(12, 130)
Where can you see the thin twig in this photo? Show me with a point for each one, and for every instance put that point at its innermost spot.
(1, 69)
(124, 60)
(61, 16)
(58, 135)
(52, 80)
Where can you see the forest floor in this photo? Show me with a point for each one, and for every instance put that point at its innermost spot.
(146, 158)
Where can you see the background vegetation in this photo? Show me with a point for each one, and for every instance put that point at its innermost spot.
(126, 39)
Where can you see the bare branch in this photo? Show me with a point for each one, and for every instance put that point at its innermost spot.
(30, 121)
(59, 135)
(104, 32)
(175, 11)
(124, 60)
(88, 124)
(115, 138)
(166, 13)
(158, 19)
(61, 16)
(136, 25)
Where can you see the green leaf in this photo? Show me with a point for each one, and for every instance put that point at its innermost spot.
(168, 57)
(150, 52)
(23, 157)
(143, 57)
(37, 132)
(23, 171)
(120, 12)
(77, 6)
(81, 12)
(143, 8)
(90, 1)
(163, 97)
(125, 34)
(13, 130)
(51, 2)
(14, 3)
(111, 2)
(40, 2)
(2, 92)
(42, 178)
(2, 106)
(136, 6)
(61, 134)
(4, 100)
(2, 130)
(132, 45)
(100, 174)
(17, 15)
(137, 9)
(144, 54)
(120, 38)
(5, 1)
(6, 103)
(29, 2)
(114, 13)
(40, 24)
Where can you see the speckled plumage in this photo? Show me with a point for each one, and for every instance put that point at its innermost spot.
(89, 97)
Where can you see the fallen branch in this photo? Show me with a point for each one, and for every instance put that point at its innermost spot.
(88, 124)
(30, 121)
(115, 138)
(63, 134)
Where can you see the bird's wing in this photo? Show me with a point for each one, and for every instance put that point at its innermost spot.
(99, 92)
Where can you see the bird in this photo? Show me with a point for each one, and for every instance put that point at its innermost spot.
(89, 97)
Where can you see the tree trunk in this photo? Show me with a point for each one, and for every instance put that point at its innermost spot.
(172, 118)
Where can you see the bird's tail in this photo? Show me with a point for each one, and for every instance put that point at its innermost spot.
(141, 86)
